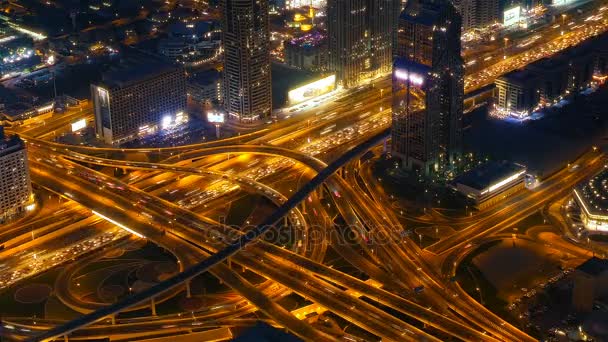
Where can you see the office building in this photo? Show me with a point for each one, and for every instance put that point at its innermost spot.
(478, 13)
(135, 101)
(205, 87)
(428, 87)
(360, 39)
(15, 185)
(517, 93)
(247, 80)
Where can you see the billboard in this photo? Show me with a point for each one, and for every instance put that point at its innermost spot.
(561, 2)
(512, 16)
(78, 125)
(214, 117)
(312, 89)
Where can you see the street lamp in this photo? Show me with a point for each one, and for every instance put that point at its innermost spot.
(506, 39)
(480, 297)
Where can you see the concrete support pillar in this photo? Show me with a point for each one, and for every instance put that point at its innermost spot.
(153, 306)
(65, 338)
(188, 292)
(113, 318)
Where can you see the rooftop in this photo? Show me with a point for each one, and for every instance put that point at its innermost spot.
(9, 145)
(521, 76)
(421, 14)
(125, 77)
(205, 77)
(197, 28)
(594, 266)
(594, 193)
(308, 40)
(488, 174)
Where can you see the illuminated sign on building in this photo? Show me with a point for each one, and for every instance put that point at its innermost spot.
(512, 16)
(214, 117)
(78, 125)
(405, 75)
(311, 90)
(561, 2)
(503, 182)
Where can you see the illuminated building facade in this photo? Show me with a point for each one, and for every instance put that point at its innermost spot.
(15, 184)
(360, 39)
(591, 196)
(247, 80)
(548, 80)
(428, 87)
(295, 4)
(132, 102)
(490, 183)
(517, 93)
(478, 13)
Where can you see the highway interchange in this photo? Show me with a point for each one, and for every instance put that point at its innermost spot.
(275, 162)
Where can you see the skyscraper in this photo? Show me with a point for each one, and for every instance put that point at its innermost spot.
(360, 38)
(246, 41)
(428, 86)
(15, 184)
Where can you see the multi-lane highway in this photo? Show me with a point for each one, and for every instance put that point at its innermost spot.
(286, 163)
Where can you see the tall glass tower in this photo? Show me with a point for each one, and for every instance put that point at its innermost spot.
(428, 87)
(246, 42)
(360, 39)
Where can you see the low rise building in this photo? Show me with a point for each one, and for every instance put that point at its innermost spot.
(590, 283)
(517, 92)
(592, 198)
(15, 185)
(490, 183)
(548, 80)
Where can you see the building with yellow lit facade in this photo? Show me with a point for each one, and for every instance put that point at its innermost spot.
(360, 39)
(592, 198)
